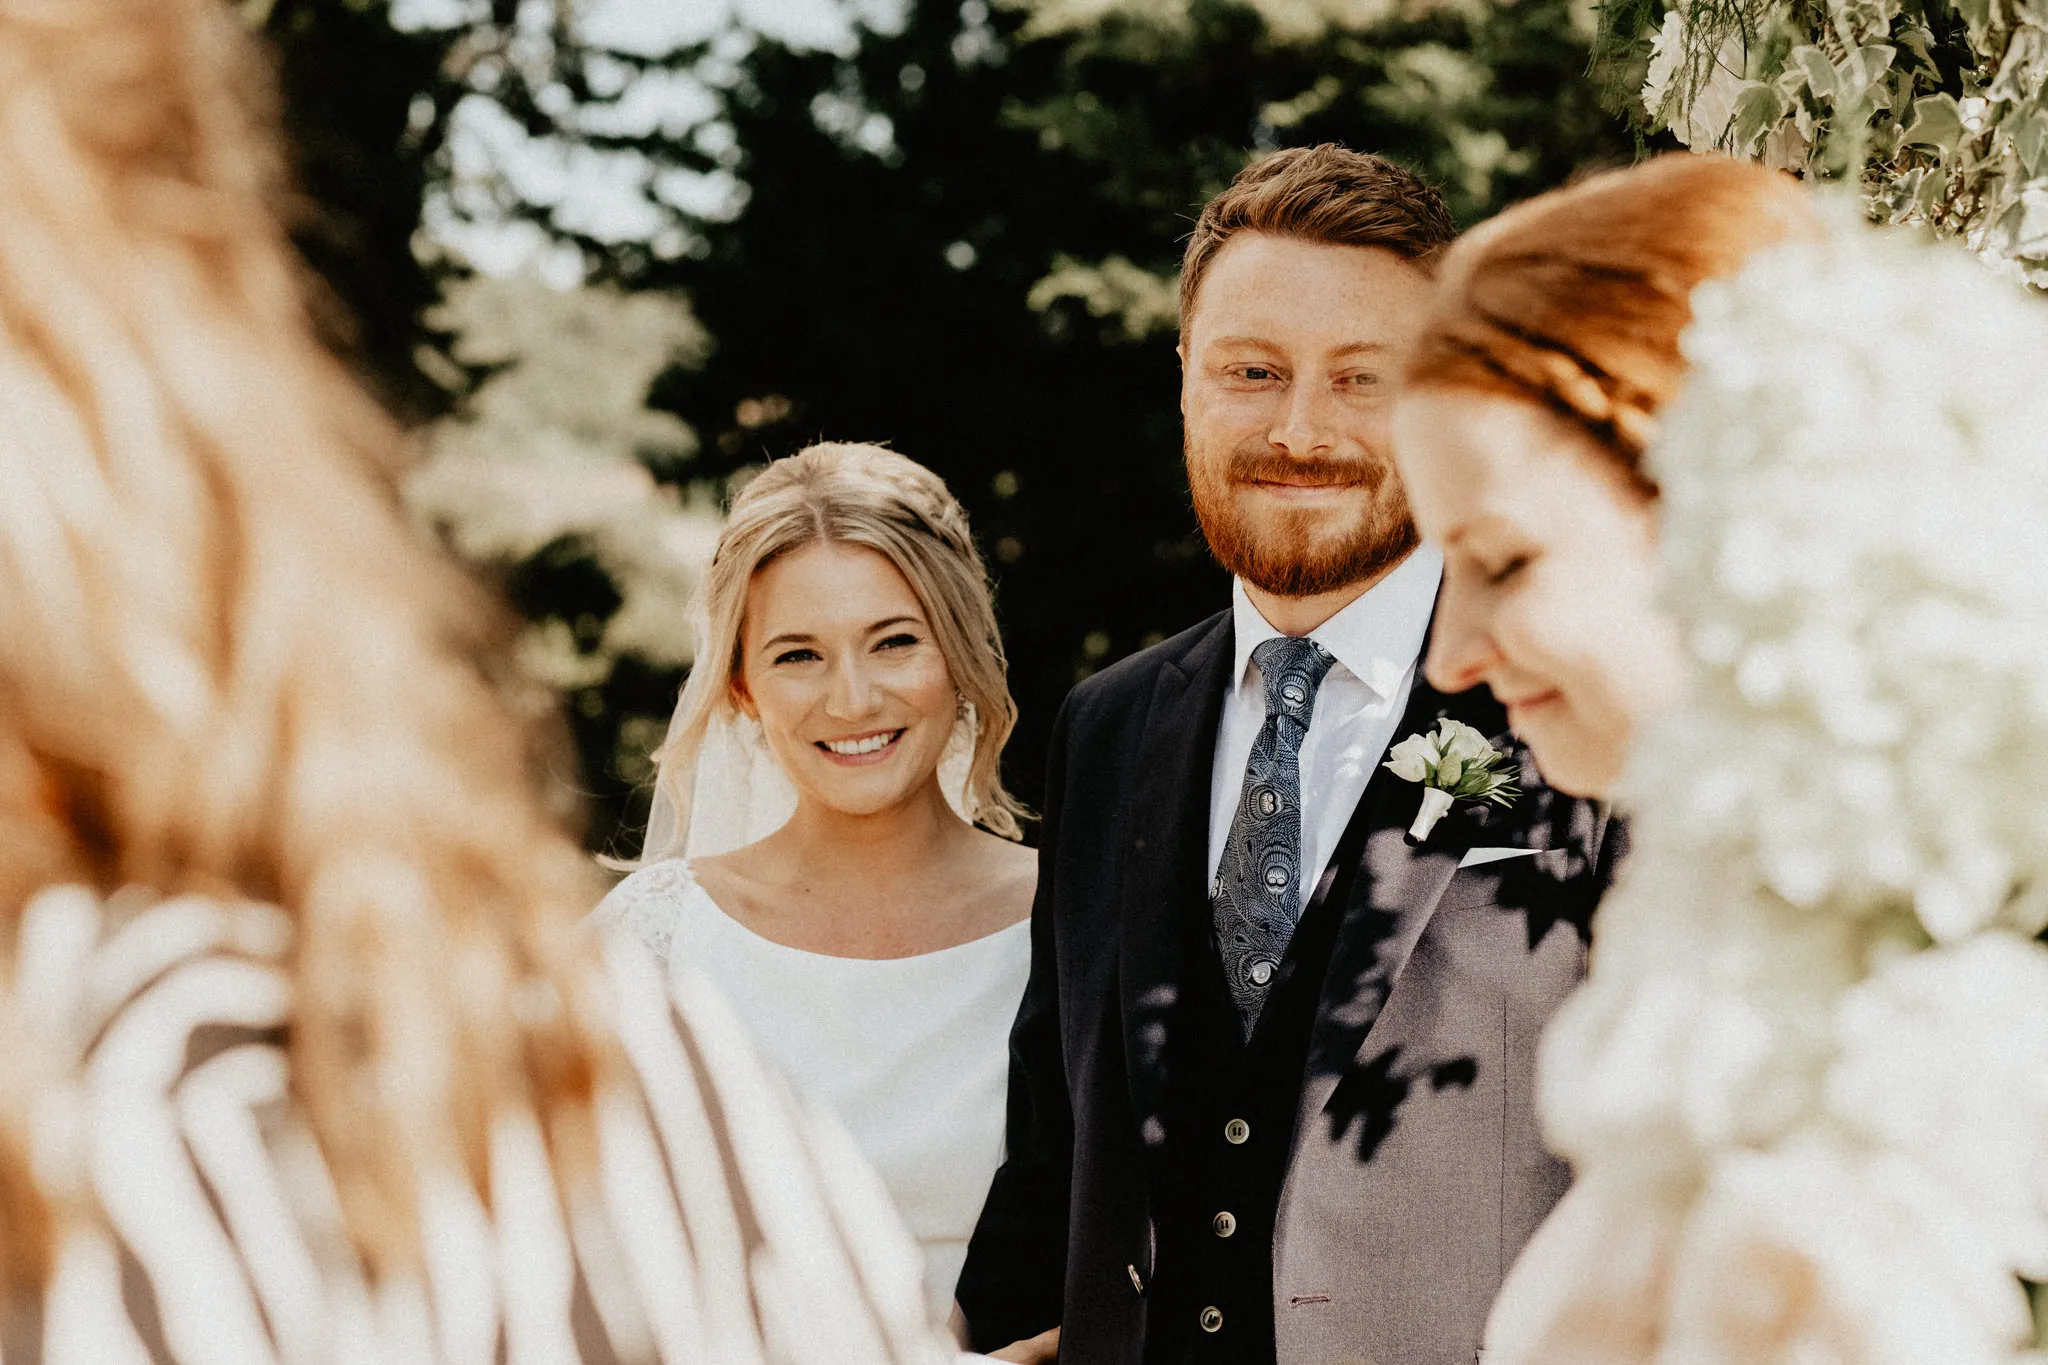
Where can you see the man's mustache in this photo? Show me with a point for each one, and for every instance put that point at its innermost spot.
(1266, 467)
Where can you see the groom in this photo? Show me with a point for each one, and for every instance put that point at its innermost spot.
(1270, 1094)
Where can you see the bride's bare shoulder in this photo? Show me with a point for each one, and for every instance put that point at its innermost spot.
(1011, 873)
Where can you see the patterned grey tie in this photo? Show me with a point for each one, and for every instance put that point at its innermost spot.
(1257, 897)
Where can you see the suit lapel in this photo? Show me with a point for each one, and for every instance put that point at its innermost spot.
(1392, 897)
(1168, 820)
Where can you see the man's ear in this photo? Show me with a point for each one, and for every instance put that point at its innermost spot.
(1181, 349)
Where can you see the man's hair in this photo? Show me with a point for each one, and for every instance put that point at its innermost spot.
(1327, 194)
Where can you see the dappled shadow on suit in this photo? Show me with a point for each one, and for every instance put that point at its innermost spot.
(1401, 1167)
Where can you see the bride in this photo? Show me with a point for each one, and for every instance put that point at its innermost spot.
(831, 841)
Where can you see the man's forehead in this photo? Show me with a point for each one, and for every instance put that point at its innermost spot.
(1282, 290)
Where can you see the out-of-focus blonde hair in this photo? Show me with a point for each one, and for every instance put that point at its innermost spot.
(225, 664)
(849, 494)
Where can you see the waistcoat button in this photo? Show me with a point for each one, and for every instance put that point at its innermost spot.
(1237, 1132)
(1225, 1223)
(1212, 1319)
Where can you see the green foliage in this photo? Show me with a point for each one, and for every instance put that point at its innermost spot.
(989, 285)
(960, 234)
(1933, 108)
(365, 110)
(545, 471)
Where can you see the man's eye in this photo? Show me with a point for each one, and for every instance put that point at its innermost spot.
(796, 656)
(1257, 373)
(1360, 381)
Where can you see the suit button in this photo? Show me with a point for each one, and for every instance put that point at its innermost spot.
(1237, 1132)
(1212, 1319)
(1225, 1223)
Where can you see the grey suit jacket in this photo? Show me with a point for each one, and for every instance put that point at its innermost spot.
(1419, 1169)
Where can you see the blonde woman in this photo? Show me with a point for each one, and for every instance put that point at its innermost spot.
(814, 844)
(303, 1057)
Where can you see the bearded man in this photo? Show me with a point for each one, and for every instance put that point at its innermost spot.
(1270, 1096)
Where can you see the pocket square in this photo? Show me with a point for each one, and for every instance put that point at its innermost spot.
(1476, 856)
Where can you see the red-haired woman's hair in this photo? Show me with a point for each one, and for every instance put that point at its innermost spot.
(1576, 299)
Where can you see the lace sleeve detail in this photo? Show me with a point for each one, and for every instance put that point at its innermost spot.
(647, 905)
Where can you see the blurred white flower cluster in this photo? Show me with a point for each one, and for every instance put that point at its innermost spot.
(553, 446)
(1805, 1086)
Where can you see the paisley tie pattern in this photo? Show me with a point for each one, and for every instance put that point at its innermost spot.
(1257, 897)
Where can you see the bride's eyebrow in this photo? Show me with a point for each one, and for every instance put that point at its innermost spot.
(892, 622)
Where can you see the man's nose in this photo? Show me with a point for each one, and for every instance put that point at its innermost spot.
(1304, 426)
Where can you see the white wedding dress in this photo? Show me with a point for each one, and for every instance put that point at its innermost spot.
(912, 1053)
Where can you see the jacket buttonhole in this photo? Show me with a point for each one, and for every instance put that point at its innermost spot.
(1303, 1300)
(1137, 1282)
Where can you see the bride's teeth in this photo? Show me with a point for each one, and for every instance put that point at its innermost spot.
(854, 747)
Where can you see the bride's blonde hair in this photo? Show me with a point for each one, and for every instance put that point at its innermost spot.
(228, 667)
(848, 494)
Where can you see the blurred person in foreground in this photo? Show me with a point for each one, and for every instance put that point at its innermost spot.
(814, 846)
(1300, 915)
(1742, 506)
(306, 1058)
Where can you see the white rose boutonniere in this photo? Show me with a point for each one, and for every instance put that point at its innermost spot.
(1454, 762)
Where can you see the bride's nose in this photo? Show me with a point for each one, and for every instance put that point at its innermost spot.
(852, 692)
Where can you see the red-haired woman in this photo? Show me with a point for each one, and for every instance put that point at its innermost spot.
(1530, 401)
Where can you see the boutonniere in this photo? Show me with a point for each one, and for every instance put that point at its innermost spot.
(1454, 762)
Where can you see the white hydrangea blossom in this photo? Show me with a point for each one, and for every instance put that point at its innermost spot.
(1699, 111)
(1805, 1085)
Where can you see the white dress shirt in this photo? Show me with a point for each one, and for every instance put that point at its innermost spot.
(1376, 641)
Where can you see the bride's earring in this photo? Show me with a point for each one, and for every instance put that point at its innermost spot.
(956, 764)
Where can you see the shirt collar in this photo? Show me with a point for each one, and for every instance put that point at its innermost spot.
(1376, 637)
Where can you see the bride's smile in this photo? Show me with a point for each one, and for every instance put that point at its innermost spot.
(863, 749)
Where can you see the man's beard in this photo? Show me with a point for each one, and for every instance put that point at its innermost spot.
(1302, 552)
